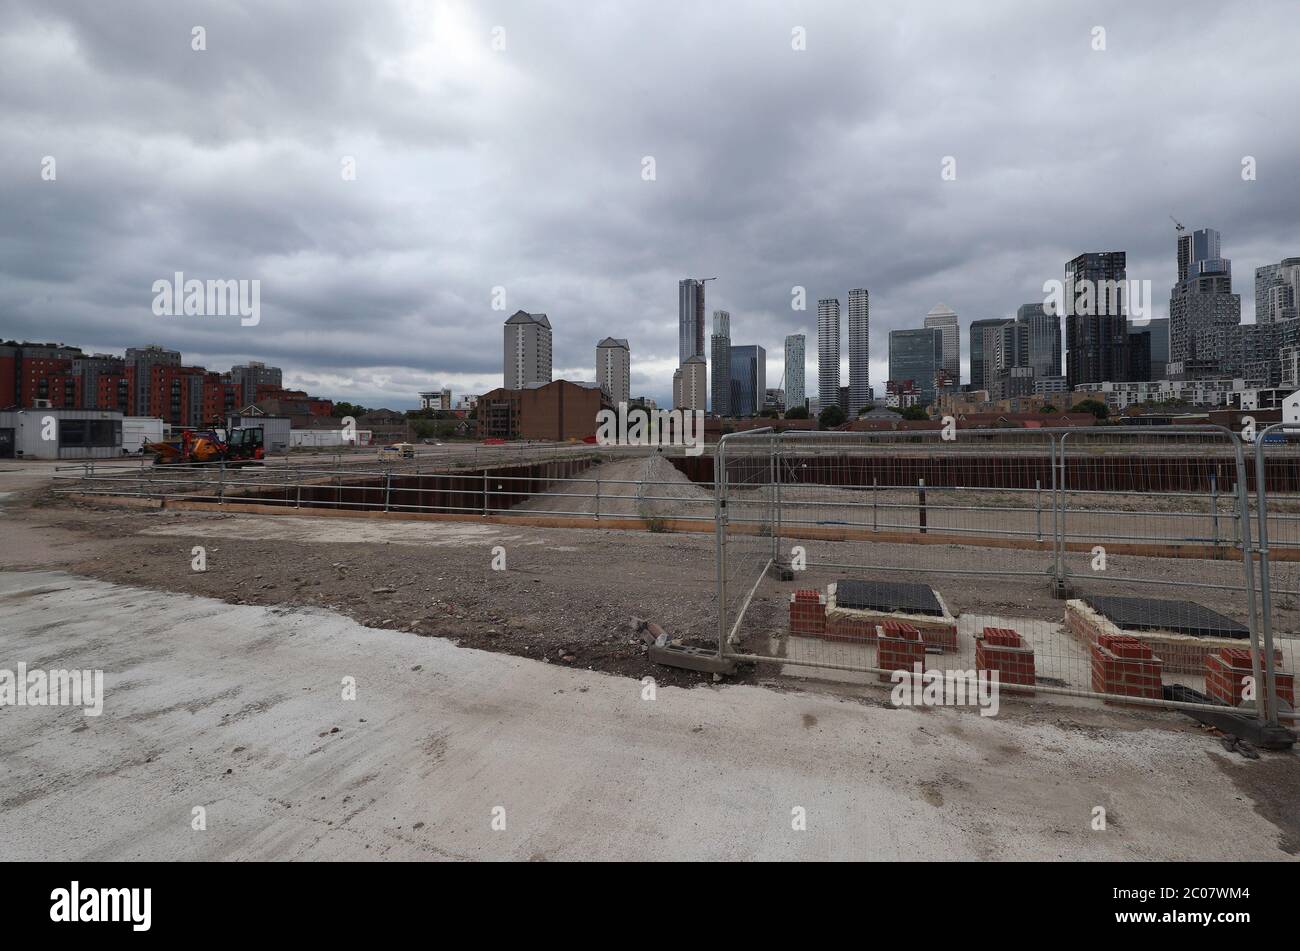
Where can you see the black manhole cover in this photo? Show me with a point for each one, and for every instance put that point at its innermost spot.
(887, 596)
(1156, 614)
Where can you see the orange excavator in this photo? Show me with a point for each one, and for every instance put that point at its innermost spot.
(243, 448)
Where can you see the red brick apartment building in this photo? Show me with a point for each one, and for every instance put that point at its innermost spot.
(147, 381)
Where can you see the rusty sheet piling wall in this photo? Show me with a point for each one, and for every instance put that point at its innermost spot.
(491, 489)
(1084, 472)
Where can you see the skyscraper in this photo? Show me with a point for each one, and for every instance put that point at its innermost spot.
(944, 319)
(527, 350)
(1199, 253)
(980, 357)
(1097, 340)
(748, 379)
(690, 319)
(1006, 349)
(859, 350)
(1043, 330)
(794, 370)
(828, 351)
(1202, 306)
(614, 368)
(916, 355)
(720, 350)
(1277, 291)
(1150, 355)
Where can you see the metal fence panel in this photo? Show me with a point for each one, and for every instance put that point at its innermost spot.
(1276, 473)
(1073, 559)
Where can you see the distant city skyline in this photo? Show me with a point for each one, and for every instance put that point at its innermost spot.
(1203, 308)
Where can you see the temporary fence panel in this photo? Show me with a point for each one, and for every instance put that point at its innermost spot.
(1089, 563)
(1276, 475)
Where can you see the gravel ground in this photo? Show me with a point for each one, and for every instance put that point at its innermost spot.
(648, 487)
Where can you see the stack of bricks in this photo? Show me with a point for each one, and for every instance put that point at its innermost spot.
(1003, 650)
(1226, 673)
(898, 647)
(1125, 666)
(808, 613)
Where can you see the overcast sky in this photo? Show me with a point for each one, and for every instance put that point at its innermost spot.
(522, 167)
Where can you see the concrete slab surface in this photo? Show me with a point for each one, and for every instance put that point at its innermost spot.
(235, 708)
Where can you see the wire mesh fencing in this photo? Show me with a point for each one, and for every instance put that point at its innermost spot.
(1276, 472)
(744, 523)
(1118, 562)
(1112, 563)
(629, 483)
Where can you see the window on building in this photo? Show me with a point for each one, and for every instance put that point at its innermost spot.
(90, 433)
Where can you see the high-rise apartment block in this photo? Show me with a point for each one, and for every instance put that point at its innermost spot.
(980, 357)
(691, 385)
(251, 376)
(828, 351)
(527, 356)
(859, 351)
(1277, 291)
(146, 381)
(614, 369)
(690, 319)
(1202, 306)
(720, 356)
(795, 360)
(1097, 332)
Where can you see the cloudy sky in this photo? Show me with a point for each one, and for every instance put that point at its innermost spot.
(502, 145)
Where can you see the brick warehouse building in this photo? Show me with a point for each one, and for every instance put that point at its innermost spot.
(558, 411)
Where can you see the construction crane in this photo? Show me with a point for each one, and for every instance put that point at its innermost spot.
(1178, 225)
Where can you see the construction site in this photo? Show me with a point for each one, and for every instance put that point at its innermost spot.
(633, 651)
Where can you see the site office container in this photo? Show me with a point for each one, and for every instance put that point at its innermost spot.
(138, 430)
(46, 433)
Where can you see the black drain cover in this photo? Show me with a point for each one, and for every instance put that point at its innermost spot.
(887, 596)
(1156, 614)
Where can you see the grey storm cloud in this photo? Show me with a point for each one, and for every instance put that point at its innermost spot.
(521, 168)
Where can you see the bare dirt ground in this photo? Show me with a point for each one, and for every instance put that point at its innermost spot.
(567, 595)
